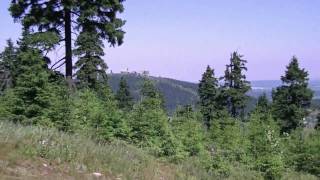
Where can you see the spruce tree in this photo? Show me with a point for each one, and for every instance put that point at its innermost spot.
(208, 91)
(91, 67)
(67, 17)
(32, 92)
(8, 65)
(123, 95)
(235, 86)
(291, 100)
(150, 126)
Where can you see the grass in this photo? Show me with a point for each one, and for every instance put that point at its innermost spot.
(39, 153)
(74, 156)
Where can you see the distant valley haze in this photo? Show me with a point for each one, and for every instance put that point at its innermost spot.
(178, 39)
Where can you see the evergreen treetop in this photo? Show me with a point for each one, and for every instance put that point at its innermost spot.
(292, 98)
(208, 92)
(67, 17)
(235, 85)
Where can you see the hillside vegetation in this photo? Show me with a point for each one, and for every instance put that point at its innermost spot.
(40, 153)
(74, 126)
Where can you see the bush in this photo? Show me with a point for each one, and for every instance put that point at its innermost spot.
(190, 132)
(99, 119)
(150, 129)
(265, 146)
(302, 151)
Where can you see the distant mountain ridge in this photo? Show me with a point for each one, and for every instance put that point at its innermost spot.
(179, 93)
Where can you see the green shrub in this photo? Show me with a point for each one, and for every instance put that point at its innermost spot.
(302, 151)
(99, 119)
(265, 146)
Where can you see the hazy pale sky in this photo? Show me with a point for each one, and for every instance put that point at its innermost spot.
(179, 38)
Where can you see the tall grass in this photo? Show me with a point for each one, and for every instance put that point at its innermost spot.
(80, 153)
(77, 156)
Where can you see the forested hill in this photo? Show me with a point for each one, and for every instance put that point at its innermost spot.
(174, 91)
(178, 92)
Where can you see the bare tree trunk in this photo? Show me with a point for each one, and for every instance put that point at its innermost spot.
(68, 44)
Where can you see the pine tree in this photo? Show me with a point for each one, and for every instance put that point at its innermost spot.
(66, 17)
(8, 66)
(292, 98)
(235, 86)
(91, 67)
(208, 92)
(123, 95)
(31, 95)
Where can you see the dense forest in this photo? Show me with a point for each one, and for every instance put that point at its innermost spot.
(215, 137)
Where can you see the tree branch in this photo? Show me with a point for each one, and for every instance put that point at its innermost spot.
(59, 66)
(58, 62)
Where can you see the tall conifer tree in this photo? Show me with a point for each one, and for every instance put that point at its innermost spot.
(292, 98)
(208, 91)
(91, 67)
(8, 63)
(67, 17)
(31, 94)
(235, 86)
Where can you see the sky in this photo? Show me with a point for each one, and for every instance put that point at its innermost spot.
(179, 38)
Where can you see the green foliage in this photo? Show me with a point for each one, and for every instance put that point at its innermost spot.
(235, 86)
(227, 145)
(98, 17)
(265, 148)
(302, 151)
(91, 67)
(125, 100)
(263, 105)
(96, 118)
(208, 92)
(228, 139)
(176, 93)
(149, 90)
(189, 131)
(8, 66)
(292, 98)
(150, 128)
(38, 96)
(30, 99)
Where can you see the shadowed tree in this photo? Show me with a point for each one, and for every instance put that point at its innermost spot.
(68, 17)
(235, 86)
(8, 65)
(208, 91)
(292, 98)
